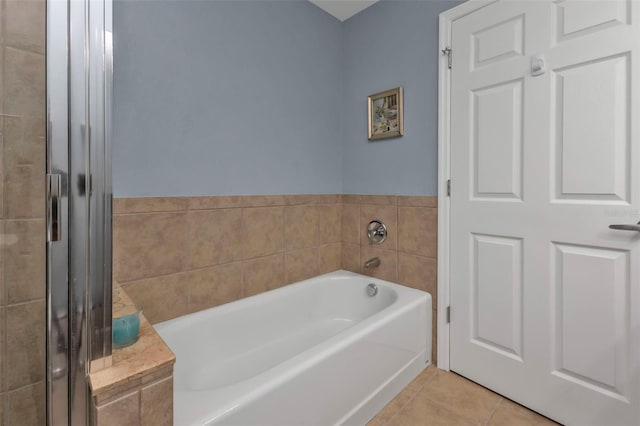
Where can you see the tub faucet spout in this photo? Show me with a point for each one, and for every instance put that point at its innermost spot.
(372, 263)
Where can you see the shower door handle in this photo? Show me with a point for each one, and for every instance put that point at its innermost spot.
(626, 227)
(54, 207)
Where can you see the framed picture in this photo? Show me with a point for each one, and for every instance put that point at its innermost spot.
(385, 114)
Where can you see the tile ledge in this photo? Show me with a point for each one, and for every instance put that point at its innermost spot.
(147, 356)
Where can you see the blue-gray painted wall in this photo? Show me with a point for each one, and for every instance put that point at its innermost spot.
(226, 97)
(390, 44)
(269, 97)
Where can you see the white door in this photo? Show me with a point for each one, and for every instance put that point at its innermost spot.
(545, 298)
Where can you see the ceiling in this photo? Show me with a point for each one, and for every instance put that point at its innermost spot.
(343, 9)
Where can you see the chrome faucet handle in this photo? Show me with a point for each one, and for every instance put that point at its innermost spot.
(376, 232)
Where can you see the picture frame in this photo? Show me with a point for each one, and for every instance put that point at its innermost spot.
(385, 112)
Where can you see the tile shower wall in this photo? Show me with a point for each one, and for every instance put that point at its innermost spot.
(179, 255)
(409, 254)
(22, 226)
(183, 254)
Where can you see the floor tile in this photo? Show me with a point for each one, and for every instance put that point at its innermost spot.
(509, 413)
(461, 395)
(438, 397)
(426, 412)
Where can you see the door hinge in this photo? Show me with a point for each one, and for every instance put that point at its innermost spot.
(448, 314)
(447, 51)
(449, 188)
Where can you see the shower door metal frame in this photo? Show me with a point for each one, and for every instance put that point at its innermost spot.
(79, 82)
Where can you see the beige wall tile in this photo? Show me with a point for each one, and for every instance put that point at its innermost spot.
(24, 140)
(262, 274)
(329, 223)
(388, 215)
(218, 202)
(418, 272)
(2, 357)
(418, 200)
(24, 191)
(27, 406)
(301, 227)
(469, 400)
(328, 199)
(329, 258)
(382, 200)
(350, 257)
(161, 298)
(24, 24)
(418, 230)
(2, 267)
(148, 245)
(149, 205)
(351, 198)
(262, 231)
(388, 269)
(156, 404)
(301, 264)
(2, 209)
(23, 130)
(122, 411)
(25, 344)
(350, 223)
(215, 236)
(24, 87)
(263, 200)
(24, 259)
(214, 286)
(293, 200)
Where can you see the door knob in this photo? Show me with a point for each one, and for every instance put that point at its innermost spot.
(626, 227)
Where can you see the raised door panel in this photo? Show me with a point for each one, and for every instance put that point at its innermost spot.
(497, 141)
(575, 18)
(498, 42)
(592, 323)
(497, 294)
(592, 131)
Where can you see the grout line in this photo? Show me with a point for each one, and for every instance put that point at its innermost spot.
(187, 262)
(284, 244)
(493, 412)
(19, 388)
(27, 302)
(153, 213)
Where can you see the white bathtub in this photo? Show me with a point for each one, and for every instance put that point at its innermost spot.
(317, 352)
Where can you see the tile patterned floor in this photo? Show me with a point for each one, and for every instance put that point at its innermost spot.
(438, 397)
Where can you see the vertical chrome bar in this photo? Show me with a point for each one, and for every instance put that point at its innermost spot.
(99, 302)
(108, 188)
(57, 251)
(79, 185)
